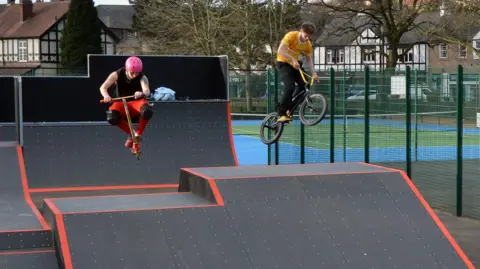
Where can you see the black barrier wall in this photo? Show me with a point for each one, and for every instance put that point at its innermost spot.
(54, 99)
(189, 76)
(7, 99)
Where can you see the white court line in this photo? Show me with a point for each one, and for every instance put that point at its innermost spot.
(308, 141)
(316, 142)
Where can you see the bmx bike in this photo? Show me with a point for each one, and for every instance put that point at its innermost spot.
(129, 121)
(304, 101)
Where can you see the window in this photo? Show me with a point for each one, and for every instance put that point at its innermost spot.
(22, 50)
(368, 55)
(329, 56)
(334, 56)
(443, 51)
(341, 56)
(476, 44)
(405, 57)
(462, 51)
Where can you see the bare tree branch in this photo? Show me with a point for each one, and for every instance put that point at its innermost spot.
(182, 26)
(458, 24)
(391, 21)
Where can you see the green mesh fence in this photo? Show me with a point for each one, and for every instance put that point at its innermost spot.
(248, 91)
(317, 139)
(376, 129)
(471, 143)
(387, 118)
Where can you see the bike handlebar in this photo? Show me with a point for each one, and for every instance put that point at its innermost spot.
(118, 98)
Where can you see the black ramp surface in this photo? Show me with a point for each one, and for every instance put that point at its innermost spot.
(7, 133)
(287, 170)
(15, 213)
(360, 221)
(37, 260)
(128, 202)
(180, 134)
(170, 239)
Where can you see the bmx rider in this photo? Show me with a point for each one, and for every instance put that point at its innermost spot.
(129, 80)
(293, 44)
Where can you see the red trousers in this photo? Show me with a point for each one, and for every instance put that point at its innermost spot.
(134, 108)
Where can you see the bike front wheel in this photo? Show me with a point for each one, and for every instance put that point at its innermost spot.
(270, 124)
(315, 102)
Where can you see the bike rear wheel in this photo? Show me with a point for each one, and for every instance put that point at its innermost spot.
(308, 105)
(276, 127)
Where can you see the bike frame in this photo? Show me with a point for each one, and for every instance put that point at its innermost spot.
(302, 95)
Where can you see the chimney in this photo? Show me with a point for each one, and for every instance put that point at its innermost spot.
(27, 9)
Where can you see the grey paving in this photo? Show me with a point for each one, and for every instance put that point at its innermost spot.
(466, 232)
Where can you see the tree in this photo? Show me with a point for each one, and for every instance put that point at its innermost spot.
(391, 20)
(247, 41)
(183, 26)
(256, 31)
(241, 29)
(81, 35)
(282, 16)
(456, 23)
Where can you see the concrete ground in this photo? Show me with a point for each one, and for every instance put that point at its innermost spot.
(466, 232)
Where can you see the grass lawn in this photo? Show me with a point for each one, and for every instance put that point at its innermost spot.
(351, 135)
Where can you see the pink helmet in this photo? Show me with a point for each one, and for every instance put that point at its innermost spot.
(134, 64)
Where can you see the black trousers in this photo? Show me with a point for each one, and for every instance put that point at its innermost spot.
(289, 76)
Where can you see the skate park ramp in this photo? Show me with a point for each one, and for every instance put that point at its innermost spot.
(85, 156)
(345, 215)
(25, 238)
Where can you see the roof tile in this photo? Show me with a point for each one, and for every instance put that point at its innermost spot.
(45, 15)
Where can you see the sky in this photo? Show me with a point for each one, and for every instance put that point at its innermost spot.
(97, 2)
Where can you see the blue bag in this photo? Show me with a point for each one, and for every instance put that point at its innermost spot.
(163, 94)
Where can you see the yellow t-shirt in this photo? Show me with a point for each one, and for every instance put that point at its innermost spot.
(292, 40)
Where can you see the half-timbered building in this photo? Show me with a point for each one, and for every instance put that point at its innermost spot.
(30, 35)
(351, 43)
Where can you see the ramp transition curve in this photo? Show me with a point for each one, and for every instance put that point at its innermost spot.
(92, 156)
(25, 238)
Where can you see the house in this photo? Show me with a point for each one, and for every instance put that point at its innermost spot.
(30, 36)
(352, 41)
(119, 19)
(444, 57)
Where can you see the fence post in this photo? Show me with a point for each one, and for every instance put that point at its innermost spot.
(344, 111)
(18, 109)
(366, 113)
(269, 109)
(459, 141)
(408, 142)
(302, 143)
(275, 98)
(332, 115)
(416, 113)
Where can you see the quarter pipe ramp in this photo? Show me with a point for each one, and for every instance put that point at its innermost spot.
(180, 134)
